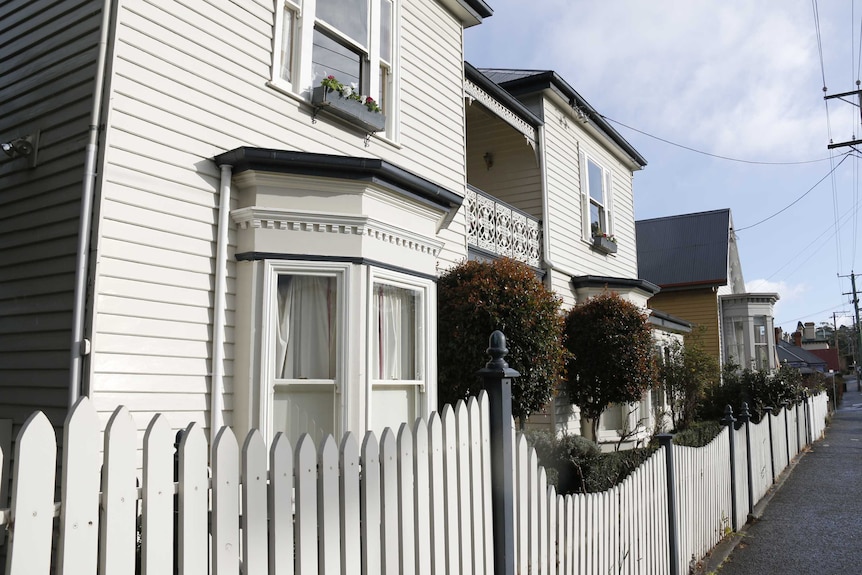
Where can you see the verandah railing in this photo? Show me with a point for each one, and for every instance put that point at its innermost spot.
(419, 502)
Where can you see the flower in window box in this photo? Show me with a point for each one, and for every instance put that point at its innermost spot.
(604, 243)
(348, 104)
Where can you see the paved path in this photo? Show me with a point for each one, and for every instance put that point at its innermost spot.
(813, 524)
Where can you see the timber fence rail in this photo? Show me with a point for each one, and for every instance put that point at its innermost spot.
(450, 495)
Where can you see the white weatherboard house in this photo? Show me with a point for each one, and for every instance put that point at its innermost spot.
(188, 228)
(220, 247)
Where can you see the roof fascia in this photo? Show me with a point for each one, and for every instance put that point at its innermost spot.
(569, 97)
(492, 88)
(470, 12)
(378, 171)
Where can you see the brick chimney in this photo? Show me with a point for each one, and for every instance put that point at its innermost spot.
(797, 338)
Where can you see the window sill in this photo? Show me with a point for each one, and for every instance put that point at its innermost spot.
(604, 245)
(350, 111)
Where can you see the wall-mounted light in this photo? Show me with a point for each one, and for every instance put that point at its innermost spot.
(23, 147)
(489, 160)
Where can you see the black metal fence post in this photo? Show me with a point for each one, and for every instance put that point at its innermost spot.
(729, 420)
(786, 404)
(666, 440)
(497, 381)
(807, 404)
(745, 417)
(768, 411)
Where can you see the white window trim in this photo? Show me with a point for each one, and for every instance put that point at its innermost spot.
(300, 86)
(607, 195)
(427, 386)
(272, 269)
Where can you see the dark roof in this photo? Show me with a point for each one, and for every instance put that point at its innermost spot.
(793, 356)
(684, 250)
(523, 82)
(474, 75)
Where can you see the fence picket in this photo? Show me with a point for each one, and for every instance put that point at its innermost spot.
(477, 491)
(79, 514)
(522, 489)
(225, 504)
(157, 510)
(329, 525)
(280, 506)
(422, 499)
(541, 495)
(33, 497)
(348, 491)
(119, 497)
(389, 500)
(487, 518)
(305, 507)
(437, 493)
(462, 430)
(193, 503)
(370, 491)
(255, 550)
(406, 511)
(450, 488)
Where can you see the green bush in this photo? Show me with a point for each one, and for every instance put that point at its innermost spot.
(758, 388)
(476, 298)
(698, 434)
(574, 464)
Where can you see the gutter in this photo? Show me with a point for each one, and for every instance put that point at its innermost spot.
(80, 346)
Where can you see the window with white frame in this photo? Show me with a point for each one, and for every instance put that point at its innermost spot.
(399, 344)
(761, 343)
(596, 200)
(352, 40)
(303, 344)
(735, 344)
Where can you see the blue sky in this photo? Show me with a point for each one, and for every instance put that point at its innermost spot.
(735, 78)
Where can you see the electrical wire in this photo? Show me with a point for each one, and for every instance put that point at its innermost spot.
(720, 157)
(785, 208)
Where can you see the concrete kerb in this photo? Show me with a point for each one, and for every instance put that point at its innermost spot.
(712, 562)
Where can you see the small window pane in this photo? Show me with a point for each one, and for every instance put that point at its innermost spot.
(396, 338)
(350, 17)
(596, 186)
(330, 58)
(392, 405)
(299, 409)
(386, 31)
(597, 219)
(305, 338)
(287, 39)
(383, 98)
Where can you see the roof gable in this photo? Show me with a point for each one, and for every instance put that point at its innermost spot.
(685, 250)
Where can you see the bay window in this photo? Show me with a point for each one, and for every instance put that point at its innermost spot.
(399, 344)
(304, 343)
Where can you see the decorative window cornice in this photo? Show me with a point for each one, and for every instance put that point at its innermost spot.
(473, 91)
(299, 221)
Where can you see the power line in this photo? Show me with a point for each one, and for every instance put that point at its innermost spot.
(720, 157)
(797, 199)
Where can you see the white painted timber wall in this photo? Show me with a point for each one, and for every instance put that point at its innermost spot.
(189, 81)
(417, 502)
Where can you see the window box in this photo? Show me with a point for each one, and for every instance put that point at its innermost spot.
(604, 244)
(348, 110)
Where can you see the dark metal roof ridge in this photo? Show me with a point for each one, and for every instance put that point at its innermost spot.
(545, 79)
(477, 77)
(611, 282)
(331, 166)
(689, 215)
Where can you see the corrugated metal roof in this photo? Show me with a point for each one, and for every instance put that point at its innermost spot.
(688, 249)
(797, 357)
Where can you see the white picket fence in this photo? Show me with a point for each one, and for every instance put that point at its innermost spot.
(416, 503)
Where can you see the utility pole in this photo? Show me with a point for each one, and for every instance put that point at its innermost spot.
(858, 104)
(858, 331)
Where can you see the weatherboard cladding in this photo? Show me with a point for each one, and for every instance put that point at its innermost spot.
(684, 250)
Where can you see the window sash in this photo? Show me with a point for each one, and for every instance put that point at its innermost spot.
(397, 336)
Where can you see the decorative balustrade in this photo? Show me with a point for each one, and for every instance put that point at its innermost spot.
(497, 227)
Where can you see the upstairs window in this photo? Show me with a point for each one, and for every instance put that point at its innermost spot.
(596, 199)
(353, 40)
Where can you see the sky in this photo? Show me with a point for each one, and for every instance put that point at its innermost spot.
(743, 79)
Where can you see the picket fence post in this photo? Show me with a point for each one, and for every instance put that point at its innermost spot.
(497, 381)
(666, 441)
(729, 420)
(768, 411)
(745, 417)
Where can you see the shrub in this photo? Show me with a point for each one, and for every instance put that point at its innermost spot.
(698, 434)
(476, 298)
(758, 388)
(611, 360)
(687, 372)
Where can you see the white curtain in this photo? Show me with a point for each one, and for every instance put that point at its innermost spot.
(305, 327)
(395, 338)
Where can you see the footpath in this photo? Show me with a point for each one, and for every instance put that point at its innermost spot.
(811, 523)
